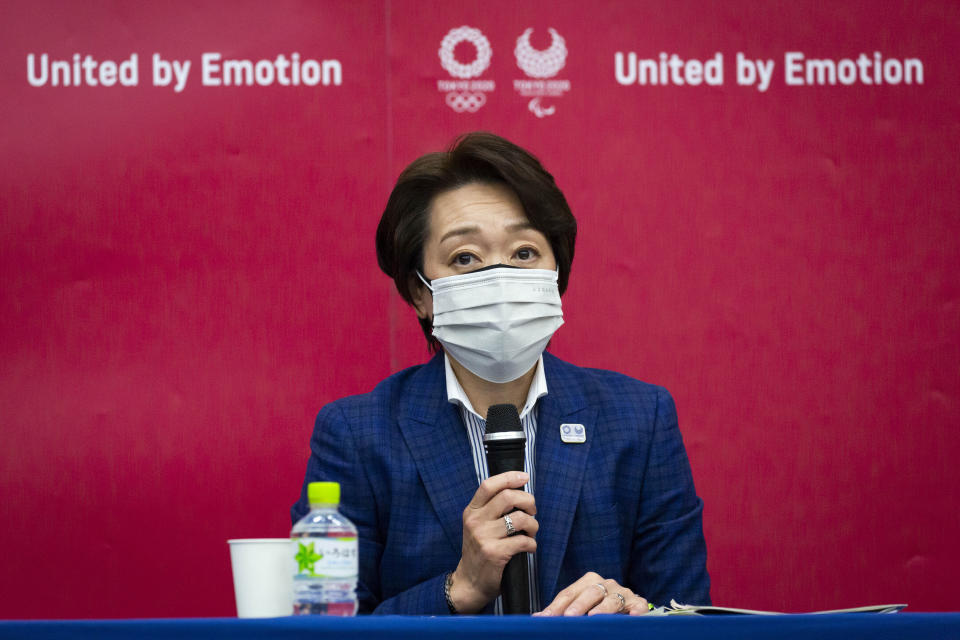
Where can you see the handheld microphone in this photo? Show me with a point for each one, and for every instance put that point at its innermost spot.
(505, 443)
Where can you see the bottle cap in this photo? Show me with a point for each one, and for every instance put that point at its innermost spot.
(323, 493)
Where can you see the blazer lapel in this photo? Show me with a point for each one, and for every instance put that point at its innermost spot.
(560, 469)
(438, 442)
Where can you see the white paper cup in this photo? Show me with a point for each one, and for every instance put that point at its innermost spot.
(262, 577)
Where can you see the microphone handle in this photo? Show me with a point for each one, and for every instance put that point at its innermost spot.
(514, 585)
(504, 456)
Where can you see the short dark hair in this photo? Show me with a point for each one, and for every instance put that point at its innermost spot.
(477, 157)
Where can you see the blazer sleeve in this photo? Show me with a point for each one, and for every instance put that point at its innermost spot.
(669, 554)
(337, 456)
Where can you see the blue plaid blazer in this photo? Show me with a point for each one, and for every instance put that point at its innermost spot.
(621, 504)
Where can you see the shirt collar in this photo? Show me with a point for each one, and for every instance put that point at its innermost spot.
(456, 394)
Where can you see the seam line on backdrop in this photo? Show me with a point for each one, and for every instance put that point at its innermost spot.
(392, 310)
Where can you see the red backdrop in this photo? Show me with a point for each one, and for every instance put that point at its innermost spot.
(188, 276)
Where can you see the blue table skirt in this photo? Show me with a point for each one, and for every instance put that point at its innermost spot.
(839, 626)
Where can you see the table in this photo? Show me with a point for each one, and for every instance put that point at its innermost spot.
(838, 626)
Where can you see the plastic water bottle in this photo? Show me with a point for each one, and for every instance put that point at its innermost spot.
(324, 545)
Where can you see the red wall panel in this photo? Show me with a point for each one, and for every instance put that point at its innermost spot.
(187, 277)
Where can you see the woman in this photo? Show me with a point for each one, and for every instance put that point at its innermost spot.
(480, 241)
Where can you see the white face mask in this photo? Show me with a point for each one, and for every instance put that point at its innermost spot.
(497, 321)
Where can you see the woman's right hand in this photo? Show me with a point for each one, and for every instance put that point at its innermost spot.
(486, 546)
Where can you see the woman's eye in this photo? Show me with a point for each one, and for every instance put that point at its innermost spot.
(463, 259)
(526, 254)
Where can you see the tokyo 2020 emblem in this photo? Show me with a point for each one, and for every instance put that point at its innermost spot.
(468, 92)
(449, 60)
(539, 65)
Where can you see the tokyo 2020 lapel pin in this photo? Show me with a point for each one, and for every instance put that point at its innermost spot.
(573, 433)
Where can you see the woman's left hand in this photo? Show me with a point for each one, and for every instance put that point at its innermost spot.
(592, 594)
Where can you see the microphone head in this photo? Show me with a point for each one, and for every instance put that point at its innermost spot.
(503, 417)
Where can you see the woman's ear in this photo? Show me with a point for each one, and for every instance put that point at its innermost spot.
(422, 298)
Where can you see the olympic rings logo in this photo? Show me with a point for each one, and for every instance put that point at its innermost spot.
(466, 101)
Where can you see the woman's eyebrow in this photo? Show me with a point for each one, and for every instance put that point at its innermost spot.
(471, 228)
(460, 231)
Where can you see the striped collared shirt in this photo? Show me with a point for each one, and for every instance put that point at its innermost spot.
(475, 425)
